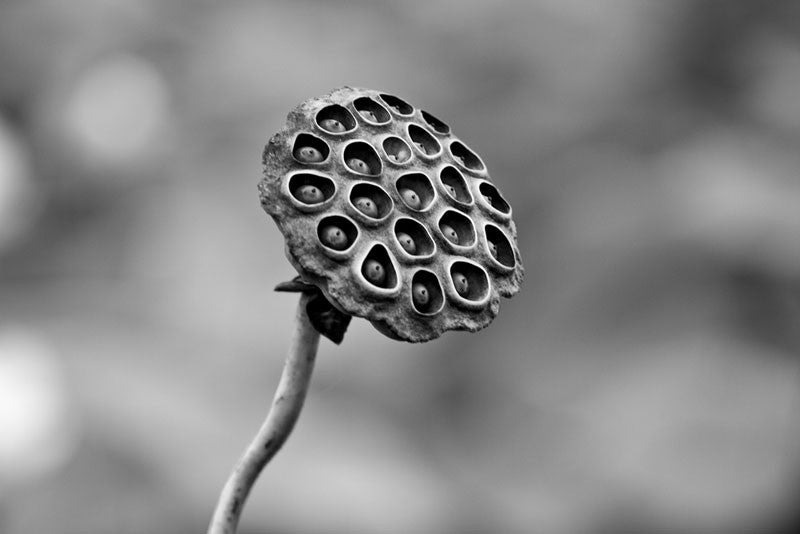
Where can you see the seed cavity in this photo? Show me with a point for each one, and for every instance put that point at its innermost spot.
(337, 233)
(310, 149)
(456, 185)
(494, 199)
(398, 105)
(396, 149)
(457, 228)
(378, 268)
(423, 140)
(427, 297)
(416, 191)
(466, 157)
(361, 158)
(371, 111)
(470, 281)
(500, 246)
(414, 238)
(370, 200)
(310, 189)
(437, 125)
(335, 119)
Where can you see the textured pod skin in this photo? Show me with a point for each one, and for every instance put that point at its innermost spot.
(393, 308)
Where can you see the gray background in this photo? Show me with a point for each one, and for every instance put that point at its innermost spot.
(645, 380)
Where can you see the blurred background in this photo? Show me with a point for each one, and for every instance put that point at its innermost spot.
(645, 380)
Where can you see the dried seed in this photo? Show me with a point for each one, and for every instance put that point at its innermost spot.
(411, 198)
(366, 206)
(374, 272)
(450, 233)
(370, 116)
(332, 125)
(407, 242)
(493, 249)
(308, 154)
(461, 283)
(420, 296)
(334, 237)
(452, 191)
(310, 194)
(358, 165)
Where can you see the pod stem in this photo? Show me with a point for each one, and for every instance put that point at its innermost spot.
(280, 421)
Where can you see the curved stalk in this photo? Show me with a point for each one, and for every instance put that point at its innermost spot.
(282, 416)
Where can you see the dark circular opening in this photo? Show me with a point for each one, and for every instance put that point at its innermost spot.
(413, 237)
(335, 119)
(371, 111)
(500, 246)
(310, 149)
(337, 233)
(423, 140)
(416, 191)
(311, 189)
(398, 105)
(466, 157)
(457, 229)
(493, 197)
(470, 281)
(455, 185)
(371, 200)
(397, 150)
(437, 125)
(377, 268)
(361, 158)
(426, 293)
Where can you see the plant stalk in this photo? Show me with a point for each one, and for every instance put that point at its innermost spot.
(282, 416)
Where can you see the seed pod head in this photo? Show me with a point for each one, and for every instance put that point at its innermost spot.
(390, 215)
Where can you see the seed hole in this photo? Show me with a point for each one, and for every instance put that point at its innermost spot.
(500, 246)
(437, 125)
(493, 197)
(401, 107)
(371, 200)
(378, 269)
(396, 149)
(311, 189)
(466, 157)
(310, 149)
(336, 119)
(426, 293)
(457, 228)
(371, 111)
(336, 232)
(455, 184)
(423, 140)
(469, 280)
(416, 191)
(413, 238)
(361, 158)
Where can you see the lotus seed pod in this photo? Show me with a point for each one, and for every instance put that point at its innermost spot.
(407, 242)
(310, 194)
(332, 125)
(367, 226)
(309, 154)
(461, 283)
(450, 233)
(420, 295)
(366, 206)
(411, 198)
(334, 237)
(374, 272)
